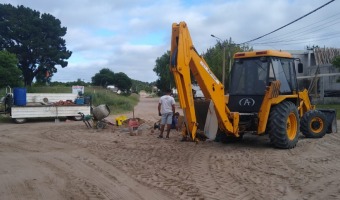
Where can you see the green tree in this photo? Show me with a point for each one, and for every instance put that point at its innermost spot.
(336, 61)
(10, 74)
(137, 86)
(214, 58)
(43, 77)
(104, 78)
(162, 69)
(123, 82)
(35, 38)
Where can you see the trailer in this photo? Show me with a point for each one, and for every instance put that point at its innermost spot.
(45, 105)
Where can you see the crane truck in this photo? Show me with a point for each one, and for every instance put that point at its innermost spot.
(263, 97)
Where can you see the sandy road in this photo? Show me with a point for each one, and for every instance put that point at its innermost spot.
(47, 160)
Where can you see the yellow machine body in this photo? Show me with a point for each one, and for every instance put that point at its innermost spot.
(271, 100)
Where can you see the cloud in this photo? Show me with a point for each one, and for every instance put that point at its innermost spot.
(128, 36)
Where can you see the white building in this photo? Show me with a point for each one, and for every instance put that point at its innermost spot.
(317, 65)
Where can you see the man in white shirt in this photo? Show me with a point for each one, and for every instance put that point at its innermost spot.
(166, 109)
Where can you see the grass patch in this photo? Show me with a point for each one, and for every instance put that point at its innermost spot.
(117, 103)
(47, 89)
(5, 119)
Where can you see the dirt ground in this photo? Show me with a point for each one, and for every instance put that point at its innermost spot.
(66, 160)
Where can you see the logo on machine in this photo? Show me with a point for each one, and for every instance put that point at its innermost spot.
(247, 102)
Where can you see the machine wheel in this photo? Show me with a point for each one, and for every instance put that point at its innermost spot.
(314, 124)
(19, 120)
(283, 125)
(101, 125)
(77, 118)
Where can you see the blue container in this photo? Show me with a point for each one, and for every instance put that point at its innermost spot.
(87, 99)
(79, 101)
(19, 95)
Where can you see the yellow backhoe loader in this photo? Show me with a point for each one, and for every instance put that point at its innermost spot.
(263, 95)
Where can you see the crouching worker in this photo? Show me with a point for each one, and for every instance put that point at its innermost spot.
(166, 109)
(174, 124)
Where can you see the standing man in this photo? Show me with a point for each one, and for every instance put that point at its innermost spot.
(166, 109)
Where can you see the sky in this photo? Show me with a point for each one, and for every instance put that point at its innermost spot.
(129, 35)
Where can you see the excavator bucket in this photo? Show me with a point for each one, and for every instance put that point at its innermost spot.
(211, 123)
(331, 119)
(206, 118)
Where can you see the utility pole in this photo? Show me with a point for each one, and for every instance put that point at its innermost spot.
(229, 55)
(223, 64)
(223, 67)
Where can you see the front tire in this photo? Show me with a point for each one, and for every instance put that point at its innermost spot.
(77, 118)
(283, 125)
(20, 120)
(314, 124)
(101, 125)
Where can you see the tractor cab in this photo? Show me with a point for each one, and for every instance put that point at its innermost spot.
(252, 72)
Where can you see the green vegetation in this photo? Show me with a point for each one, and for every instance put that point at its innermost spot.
(47, 89)
(336, 63)
(120, 80)
(104, 78)
(117, 103)
(137, 86)
(214, 57)
(162, 69)
(330, 106)
(36, 39)
(10, 74)
(107, 77)
(5, 119)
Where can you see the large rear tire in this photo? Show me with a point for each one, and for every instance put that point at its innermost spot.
(283, 125)
(314, 124)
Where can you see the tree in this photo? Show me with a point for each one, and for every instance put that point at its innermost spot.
(10, 75)
(137, 86)
(336, 63)
(104, 78)
(43, 77)
(35, 38)
(123, 82)
(162, 69)
(214, 58)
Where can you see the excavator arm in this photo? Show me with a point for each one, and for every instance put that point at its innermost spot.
(185, 59)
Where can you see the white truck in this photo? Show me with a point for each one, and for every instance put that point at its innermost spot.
(44, 105)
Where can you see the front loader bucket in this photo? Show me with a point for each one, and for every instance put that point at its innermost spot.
(331, 119)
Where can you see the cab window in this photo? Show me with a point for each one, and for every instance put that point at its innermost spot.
(282, 75)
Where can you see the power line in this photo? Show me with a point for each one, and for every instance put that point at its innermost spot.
(295, 37)
(300, 41)
(290, 22)
(306, 29)
(300, 38)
